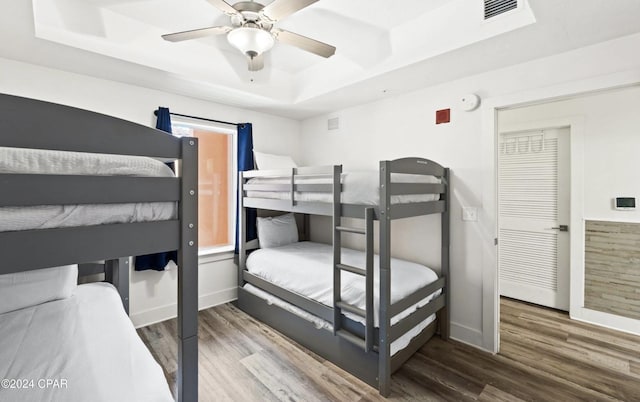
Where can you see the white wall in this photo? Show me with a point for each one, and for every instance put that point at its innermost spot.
(153, 294)
(404, 126)
(607, 168)
(611, 136)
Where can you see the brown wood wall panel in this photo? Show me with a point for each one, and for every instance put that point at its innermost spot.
(612, 268)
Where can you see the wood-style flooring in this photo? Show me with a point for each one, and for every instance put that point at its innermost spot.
(544, 357)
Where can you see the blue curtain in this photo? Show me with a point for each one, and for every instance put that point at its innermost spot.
(245, 162)
(158, 261)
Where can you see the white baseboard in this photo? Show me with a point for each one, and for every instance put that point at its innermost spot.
(607, 320)
(158, 314)
(464, 334)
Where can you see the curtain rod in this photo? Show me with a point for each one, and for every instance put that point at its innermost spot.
(201, 118)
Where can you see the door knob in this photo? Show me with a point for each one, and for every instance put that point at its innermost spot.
(562, 228)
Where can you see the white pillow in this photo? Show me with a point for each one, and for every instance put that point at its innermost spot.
(277, 231)
(30, 288)
(273, 162)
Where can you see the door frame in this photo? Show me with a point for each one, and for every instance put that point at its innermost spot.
(576, 212)
(489, 213)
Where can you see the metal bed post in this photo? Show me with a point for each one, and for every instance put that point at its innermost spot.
(306, 221)
(117, 273)
(242, 237)
(444, 258)
(337, 247)
(384, 347)
(187, 377)
(368, 293)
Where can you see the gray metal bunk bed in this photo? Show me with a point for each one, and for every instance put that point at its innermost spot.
(363, 350)
(33, 124)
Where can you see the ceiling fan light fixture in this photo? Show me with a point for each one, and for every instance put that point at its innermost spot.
(251, 40)
(252, 29)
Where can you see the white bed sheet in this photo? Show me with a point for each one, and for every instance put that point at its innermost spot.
(306, 268)
(41, 161)
(86, 340)
(360, 188)
(31, 161)
(319, 323)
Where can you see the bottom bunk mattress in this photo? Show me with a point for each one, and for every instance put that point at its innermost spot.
(306, 268)
(83, 348)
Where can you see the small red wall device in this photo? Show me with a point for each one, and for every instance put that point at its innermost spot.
(443, 116)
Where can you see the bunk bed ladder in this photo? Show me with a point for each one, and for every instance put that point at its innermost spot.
(367, 272)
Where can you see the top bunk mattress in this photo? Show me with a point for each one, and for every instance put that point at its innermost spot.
(358, 187)
(306, 268)
(86, 344)
(35, 161)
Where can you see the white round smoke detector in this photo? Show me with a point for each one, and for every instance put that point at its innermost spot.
(469, 102)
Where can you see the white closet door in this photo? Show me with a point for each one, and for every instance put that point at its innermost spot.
(533, 202)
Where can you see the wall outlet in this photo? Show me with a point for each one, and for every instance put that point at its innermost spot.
(470, 214)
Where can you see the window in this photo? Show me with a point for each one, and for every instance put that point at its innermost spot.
(216, 183)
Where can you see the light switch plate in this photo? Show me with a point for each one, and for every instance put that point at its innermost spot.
(469, 214)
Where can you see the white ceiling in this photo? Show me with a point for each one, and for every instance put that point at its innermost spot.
(383, 47)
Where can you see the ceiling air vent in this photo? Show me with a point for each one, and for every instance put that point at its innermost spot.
(333, 123)
(497, 7)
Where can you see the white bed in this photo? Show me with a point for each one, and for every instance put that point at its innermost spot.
(86, 342)
(362, 188)
(30, 161)
(306, 268)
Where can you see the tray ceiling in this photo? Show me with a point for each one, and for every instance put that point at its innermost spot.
(382, 46)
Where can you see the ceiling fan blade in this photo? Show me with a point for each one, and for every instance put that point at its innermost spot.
(256, 63)
(283, 8)
(304, 43)
(224, 7)
(195, 33)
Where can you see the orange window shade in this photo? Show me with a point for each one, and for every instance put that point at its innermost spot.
(213, 187)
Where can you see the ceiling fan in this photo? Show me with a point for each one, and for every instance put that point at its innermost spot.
(252, 29)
